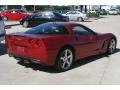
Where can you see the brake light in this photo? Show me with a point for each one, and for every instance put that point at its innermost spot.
(31, 41)
(35, 43)
(38, 42)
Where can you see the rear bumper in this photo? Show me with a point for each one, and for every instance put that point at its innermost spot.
(47, 59)
(20, 58)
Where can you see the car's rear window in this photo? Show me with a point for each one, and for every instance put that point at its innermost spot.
(48, 29)
(57, 14)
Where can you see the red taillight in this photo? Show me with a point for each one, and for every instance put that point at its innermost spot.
(35, 43)
(38, 42)
(31, 41)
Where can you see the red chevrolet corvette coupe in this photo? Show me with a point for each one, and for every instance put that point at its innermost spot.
(58, 44)
(15, 14)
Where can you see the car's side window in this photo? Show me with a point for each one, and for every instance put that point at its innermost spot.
(38, 15)
(80, 30)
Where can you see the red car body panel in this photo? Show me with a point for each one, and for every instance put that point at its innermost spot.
(17, 15)
(45, 48)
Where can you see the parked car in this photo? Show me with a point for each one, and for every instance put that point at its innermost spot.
(102, 12)
(2, 29)
(93, 11)
(42, 17)
(76, 15)
(113, 12)
(58, 44)
(1, 10)
(14, 14)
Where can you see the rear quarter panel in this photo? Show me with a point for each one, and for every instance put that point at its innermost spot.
(54, 43)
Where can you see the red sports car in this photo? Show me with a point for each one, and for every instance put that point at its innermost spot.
(58, 44)
(15, 14)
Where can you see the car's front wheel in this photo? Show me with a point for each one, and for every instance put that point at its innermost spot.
(111, 46)
(64, 59)
(25, 24)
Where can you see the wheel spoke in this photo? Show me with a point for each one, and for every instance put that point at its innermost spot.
(62, 58)
(112, 46)
(63, 66)
(66, 53)
(68, 63)
(69, 57)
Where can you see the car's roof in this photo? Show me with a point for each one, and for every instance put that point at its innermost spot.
(13, 10)
(44, 11)
(63, 23)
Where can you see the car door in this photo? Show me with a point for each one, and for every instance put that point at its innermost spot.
(86, 41)
(49, 17)
(14, 15)
(37, 19)
(9, 15)
(70, 15)
(18, 15)
(74, 15)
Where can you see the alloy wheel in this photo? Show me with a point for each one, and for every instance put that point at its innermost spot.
(25, 24)
(66, 59)
(112, 46)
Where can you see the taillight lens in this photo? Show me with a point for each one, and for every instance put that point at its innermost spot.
(35, 43)
(31, 41)
(38, 42)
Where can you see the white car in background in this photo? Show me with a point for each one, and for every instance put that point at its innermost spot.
(113, 12)
(2, 29)
(76, 15)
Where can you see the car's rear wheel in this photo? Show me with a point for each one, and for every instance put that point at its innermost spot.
(5, 18)
(64, 59)
(25, 24)
(80, 19)
(111, 46)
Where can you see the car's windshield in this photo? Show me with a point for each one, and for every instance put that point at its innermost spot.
(47, 29)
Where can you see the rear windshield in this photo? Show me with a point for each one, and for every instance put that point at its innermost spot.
(48, 29)
(57, 14)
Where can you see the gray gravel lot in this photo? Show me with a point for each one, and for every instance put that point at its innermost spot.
(99, 69)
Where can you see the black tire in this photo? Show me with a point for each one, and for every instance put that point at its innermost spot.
(25, 24)
(5, 18)
(59, 62)
(111, 46)
(80, 19)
